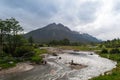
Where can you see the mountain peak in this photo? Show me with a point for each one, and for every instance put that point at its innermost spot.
(59, 24)
(54, 26)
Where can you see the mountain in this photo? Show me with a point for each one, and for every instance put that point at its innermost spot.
(58, 32)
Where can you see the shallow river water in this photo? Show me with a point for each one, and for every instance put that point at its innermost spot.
(58, 69)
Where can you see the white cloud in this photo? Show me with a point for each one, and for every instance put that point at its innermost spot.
(106, 25)
(99, 18)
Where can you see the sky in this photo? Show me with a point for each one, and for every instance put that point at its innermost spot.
(100, 18)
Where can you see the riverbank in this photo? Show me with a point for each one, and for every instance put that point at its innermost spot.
(20, 67)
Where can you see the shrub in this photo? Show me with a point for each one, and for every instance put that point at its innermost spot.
(7, 61)
(115, 50)
(24, 51)
(40, 51)
(7, 65)
(3, 54)
(104, 51)
(36, 59)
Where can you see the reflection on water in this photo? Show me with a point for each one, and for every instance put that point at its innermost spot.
(58, 69)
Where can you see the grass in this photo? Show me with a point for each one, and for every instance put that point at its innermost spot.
(40, 51)
(7, 65)
(82, 48)
(37, 58)
(7, 62)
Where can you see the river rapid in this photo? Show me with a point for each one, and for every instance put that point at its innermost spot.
(59, 69)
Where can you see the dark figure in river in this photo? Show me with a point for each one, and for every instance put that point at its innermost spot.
(60, 58)
(72, 62)
(44, 62)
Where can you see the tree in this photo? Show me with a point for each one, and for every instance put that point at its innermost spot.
(104, 50)
(1, 35)
(10, 35)
(13, 30)
(54, 42)
(65, 42)
(115, 50)
(31, 41)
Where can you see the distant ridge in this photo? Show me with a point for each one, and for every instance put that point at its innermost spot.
(58, 32)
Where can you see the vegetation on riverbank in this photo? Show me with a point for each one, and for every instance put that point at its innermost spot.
(82, 47)
(14, 47)
(111, 51)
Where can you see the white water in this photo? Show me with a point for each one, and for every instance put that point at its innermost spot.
(96, 65)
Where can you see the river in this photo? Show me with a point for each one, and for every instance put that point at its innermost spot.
(58, 69)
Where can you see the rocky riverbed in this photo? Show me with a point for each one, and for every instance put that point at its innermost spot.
(85, 65)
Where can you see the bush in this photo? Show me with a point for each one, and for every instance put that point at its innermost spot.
(7, 65)
(3, 54)
(104, 51)
(6, 62)
(24, 51)
(36, 59)
(40, 51)
(115, 50)
(6, 59)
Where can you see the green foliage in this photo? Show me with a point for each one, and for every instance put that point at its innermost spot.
(65, 42)
(104, 50)
(60, 42)
(31, 41)
(40, 51)
(114, 51)
(7, 65)
(36, 59)
(10, 37)
(83, 47)
(3, 54)
(14, 47)
(5, 62)
(115, 43)
(24, 51)
(6, 59)
(114, 54)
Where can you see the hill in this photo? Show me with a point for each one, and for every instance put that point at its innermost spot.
(58, 32)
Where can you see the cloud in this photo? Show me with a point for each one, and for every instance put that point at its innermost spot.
(99, 18)
(87, 11)
(106, 25)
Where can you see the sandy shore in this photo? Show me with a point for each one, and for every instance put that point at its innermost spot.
(20, 67)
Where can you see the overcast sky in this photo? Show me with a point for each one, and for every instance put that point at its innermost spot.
(100, 18)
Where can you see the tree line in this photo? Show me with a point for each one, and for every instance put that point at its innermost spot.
(110, 46)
